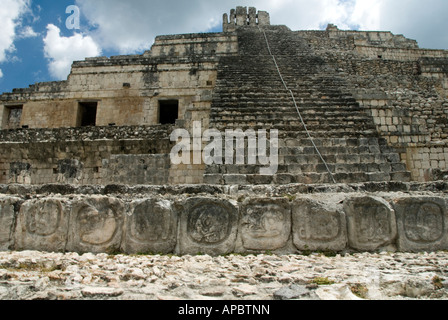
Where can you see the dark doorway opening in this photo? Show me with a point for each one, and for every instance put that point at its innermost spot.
(13, 116)
(168, 111)
(87, 113)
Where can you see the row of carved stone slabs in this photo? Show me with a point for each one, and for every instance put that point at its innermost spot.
(214, 226)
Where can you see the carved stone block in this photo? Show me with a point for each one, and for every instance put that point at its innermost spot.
(7, 216)
(42, 225)
(422, 224)
(151, 228)
(96, 225)
(208, 226)
(319, 225)
(371, 223)
(265, 224)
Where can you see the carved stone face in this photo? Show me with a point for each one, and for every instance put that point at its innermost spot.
(322, 226)
(266, 224)
(97, 226)
(425, 224)
(421, 223)
(151, 222)
(43, 218)
(209, 224)
(319, 225)
(371, 223)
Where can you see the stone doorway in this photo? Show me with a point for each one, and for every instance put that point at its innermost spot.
(168, 111)
(87, 112)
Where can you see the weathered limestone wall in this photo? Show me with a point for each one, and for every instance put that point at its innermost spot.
(403, 87)
(400, 54)
(206, 44)
(412, 119)
(93, 155)
(426, 163)
(118, 102)
(221, 220)
(127, 88)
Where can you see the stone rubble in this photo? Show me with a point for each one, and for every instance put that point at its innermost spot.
(32, 275)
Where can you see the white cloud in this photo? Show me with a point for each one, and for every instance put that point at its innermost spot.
(367, 15)
(424, 21)
(62, 51)
(130, 26)
(28, 32)
(11, 11)
(1, 73)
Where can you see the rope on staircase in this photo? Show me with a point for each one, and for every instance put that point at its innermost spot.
(297, 108)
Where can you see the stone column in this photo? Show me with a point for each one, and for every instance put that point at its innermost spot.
(264, 18)
(241, 16)
(252, 16)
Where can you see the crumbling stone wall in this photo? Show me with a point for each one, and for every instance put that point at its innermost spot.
(86, 156)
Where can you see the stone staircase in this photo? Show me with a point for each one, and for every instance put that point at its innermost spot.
(250, 95)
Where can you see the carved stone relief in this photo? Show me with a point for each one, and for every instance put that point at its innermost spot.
(319, 225)
(421, 223)
(265, 224)
(371, 223)
(42, 225)
(151, 228)
(208, 226)
(96, 225)
(7, 217)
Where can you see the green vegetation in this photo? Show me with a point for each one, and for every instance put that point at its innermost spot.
(320, 281)
(290, 197)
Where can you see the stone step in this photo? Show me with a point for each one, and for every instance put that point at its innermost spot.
(336, 142)
(290, 118)
(315, 166)
(299, 133)
(276, 98)
(287, 109)
(306, 178)
(318, 107)
(280, 97)
(318, 129)
(310, 150)
(341, 134)
(249, 94)
(296, 84)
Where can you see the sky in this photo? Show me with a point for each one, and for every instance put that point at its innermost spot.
(39, 39)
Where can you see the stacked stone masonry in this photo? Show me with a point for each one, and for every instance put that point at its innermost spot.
(349, 84)
(374, 110)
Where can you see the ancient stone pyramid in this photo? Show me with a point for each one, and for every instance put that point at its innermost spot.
(347, 119)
